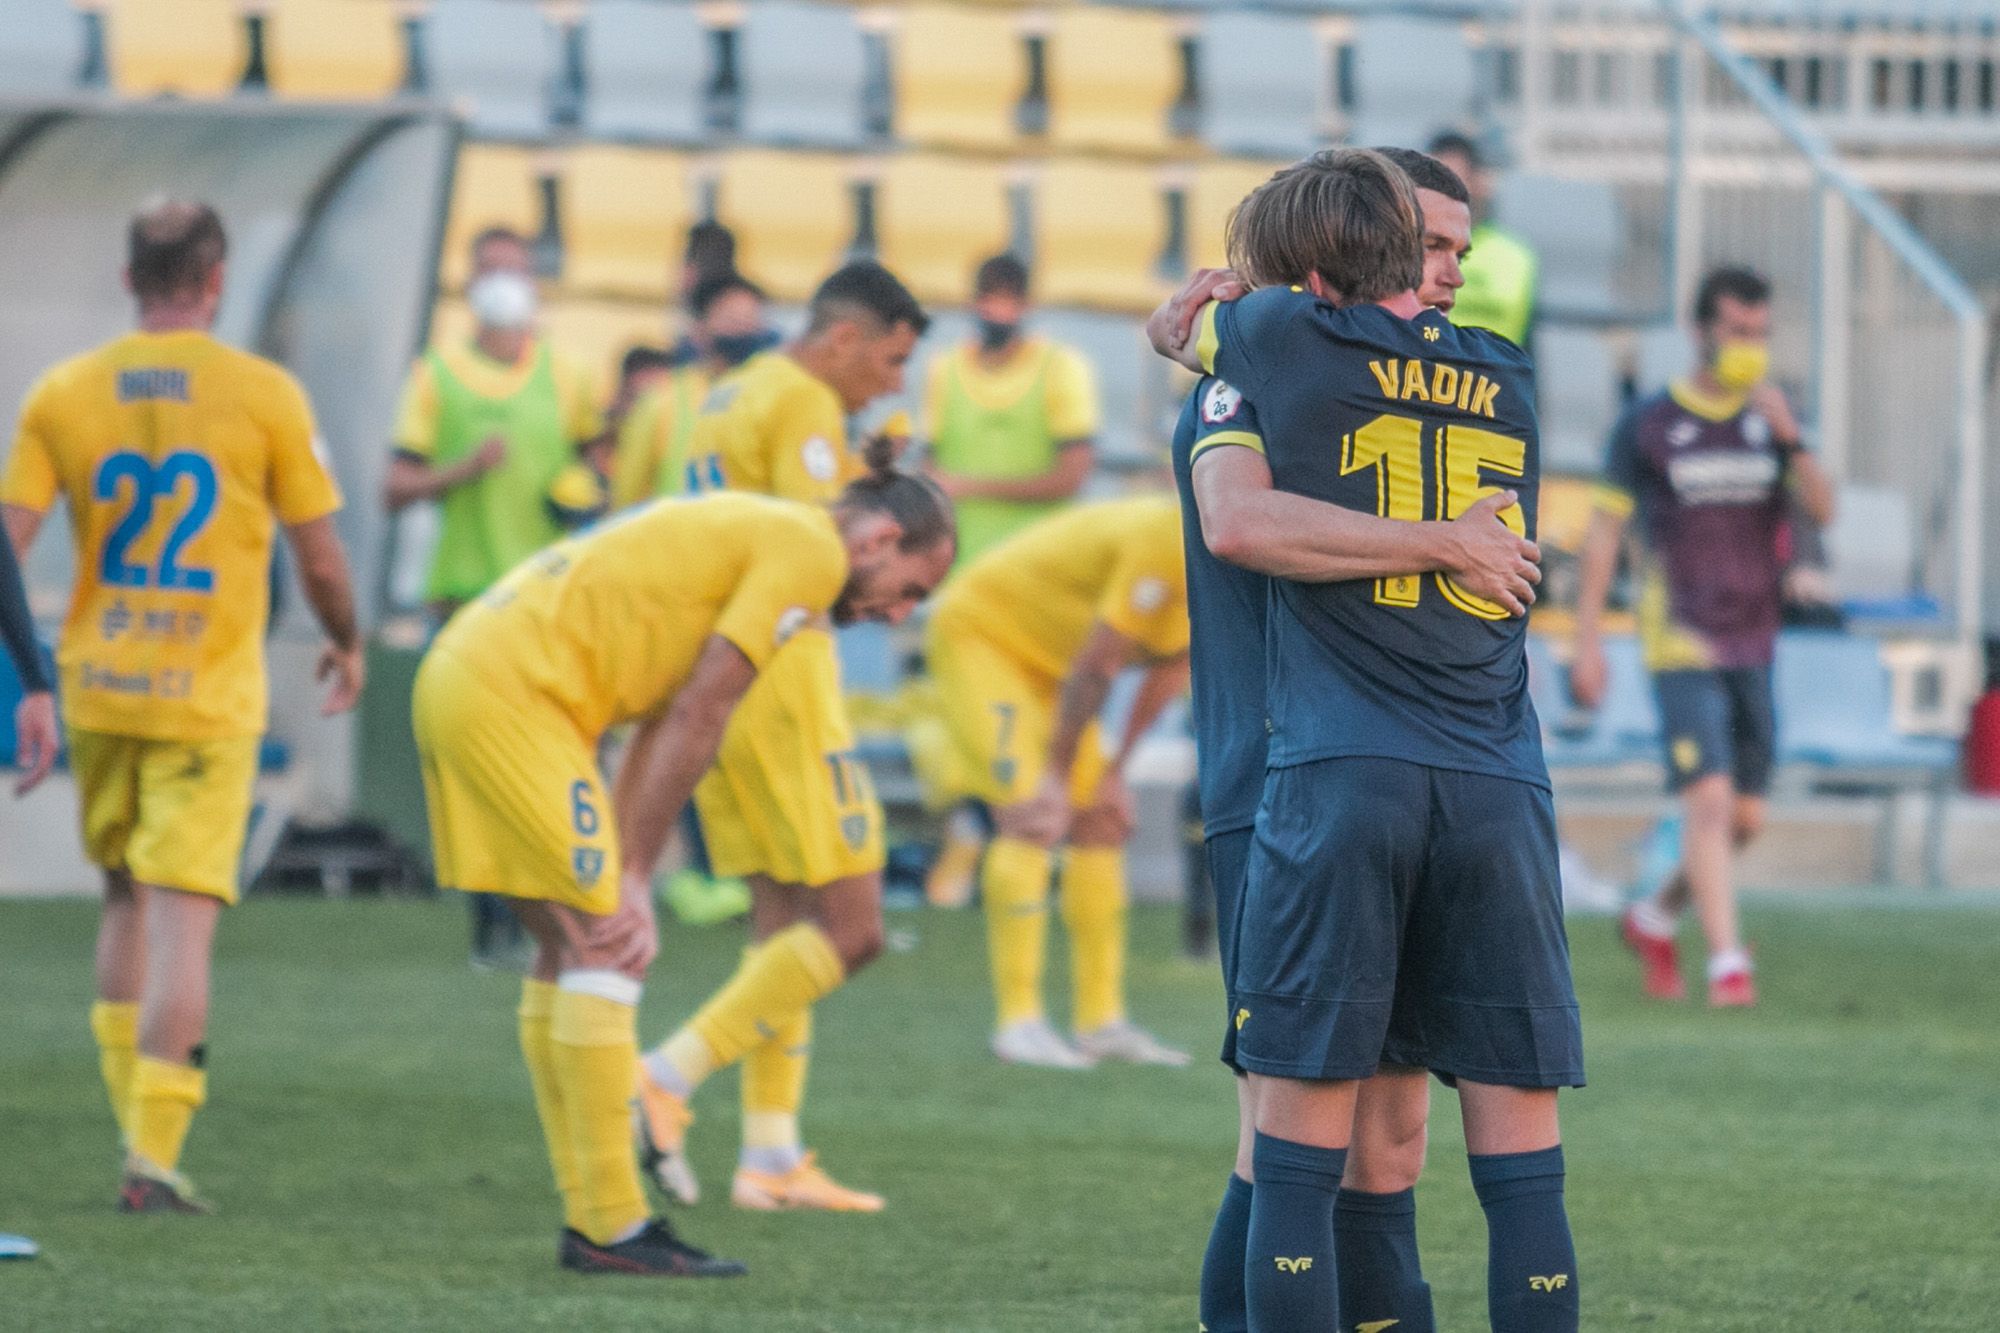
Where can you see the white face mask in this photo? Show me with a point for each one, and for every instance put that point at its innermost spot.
(502, 300)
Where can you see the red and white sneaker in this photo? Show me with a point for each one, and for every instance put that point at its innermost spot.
(1659, 959)
(1732, 990)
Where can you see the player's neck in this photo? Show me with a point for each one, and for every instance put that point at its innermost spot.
(1403, 305)
(503, 345)
(176, 317)
(999, 357)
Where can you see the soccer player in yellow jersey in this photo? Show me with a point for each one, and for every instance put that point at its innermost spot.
(728, 329)
(663, 617)
(1025, 644)
(789, 806)
(176, 457)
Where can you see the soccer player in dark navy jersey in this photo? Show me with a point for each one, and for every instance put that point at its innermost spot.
(1704, 466)
(1402, 902)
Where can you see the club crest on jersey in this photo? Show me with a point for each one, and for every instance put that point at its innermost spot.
(818, 457)
(1149, 595)
(588, 863)
(1220, 403)
(854, 828)
(1682, 434)
(1756, 430)
(791, 622)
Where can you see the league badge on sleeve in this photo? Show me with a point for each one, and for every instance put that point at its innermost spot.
(1221, 403)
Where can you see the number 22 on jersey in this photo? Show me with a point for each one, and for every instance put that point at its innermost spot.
(1397, 448)
(140, 484)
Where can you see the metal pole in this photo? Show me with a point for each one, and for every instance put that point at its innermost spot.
(1833, 329)
(1971, 619)
(1690, 65)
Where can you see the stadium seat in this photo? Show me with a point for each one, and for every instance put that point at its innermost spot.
(1099, 229)
(1216, 190)
(936, 217)
(1576, 395)
(625, 215)
(1872, 545)
(1624, 731)
(1575, 229)
(645, 64)
(1664, 355)
(1113, 75)
(497, 60)
(958, 73)
(41, 48)
(190, 48)
(1411, 75)
(804, 73)
(1264, 82)
(793, 214)
(334, 49)
(493, 186)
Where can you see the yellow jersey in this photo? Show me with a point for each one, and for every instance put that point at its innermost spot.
(607, 625)
(773, 427)
(176, 456)
(651, 457)
(1038, 593)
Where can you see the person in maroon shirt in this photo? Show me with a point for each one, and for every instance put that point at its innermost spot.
(1704, 468)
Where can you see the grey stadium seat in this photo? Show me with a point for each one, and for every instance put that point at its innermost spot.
(1575, 230)
(41, 48)
(1576, 396)
(1665, 354)
(1411, 76)
(1872, 544)
(1262, 81)
(805, 71)
(498, 58)
(645, 66)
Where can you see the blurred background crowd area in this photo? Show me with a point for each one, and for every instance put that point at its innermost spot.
(1615, 151)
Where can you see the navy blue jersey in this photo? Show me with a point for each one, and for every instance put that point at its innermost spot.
(1226, 606)
(1410, 419)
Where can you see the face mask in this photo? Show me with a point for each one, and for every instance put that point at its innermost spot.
(733, 349)
(502, 301)
(994, 335)
(1741, 366)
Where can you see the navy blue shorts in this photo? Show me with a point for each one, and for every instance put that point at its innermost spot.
(1401, 914)
(1718, 721)
(1228, 865)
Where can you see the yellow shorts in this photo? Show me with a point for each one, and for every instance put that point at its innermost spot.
(173, 813)
(788, 797)
(517, 804)
(1001, 715)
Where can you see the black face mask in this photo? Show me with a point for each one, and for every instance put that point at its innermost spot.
(994, 334)
(733, 349)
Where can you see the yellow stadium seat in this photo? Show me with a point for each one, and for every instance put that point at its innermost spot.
(599, 333)
(936, 217)
(625, 217)
(1217, 188)
(1100, 228)
(493, 187)
(793, 215)
(959, 74)
(190, 48)
(1112, 76)
(322, 50)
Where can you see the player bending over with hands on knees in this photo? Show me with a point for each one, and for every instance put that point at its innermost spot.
(663, 617)
(1400, 904)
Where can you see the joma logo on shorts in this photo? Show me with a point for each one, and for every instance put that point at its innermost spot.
(1242, 1017)
(1299, 1265)
(1556, 1283)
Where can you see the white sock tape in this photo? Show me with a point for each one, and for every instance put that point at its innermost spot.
(601, 982)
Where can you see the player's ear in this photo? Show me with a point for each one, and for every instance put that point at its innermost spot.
(872, 535)
(1321, 288)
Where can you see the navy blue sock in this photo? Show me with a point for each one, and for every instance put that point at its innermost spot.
(1530, 1258)
(1380, 1276)
(1222, 1309)
(1290, 1279)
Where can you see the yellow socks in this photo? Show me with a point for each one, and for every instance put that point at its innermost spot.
(1015, 888)
(538, 999)
(115, 1024)
(1093, 911)
(778, 980)
(594, 1044)
(164, 1098)
(774, 1085)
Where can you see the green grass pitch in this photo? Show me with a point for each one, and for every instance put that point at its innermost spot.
(1829, 1162)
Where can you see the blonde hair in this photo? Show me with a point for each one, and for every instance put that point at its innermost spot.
(1347, 214)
